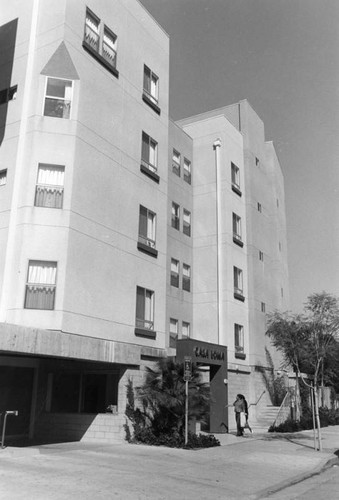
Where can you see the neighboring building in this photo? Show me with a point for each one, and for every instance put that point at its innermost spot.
(124, 237)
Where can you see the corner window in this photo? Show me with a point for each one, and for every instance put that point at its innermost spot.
(147, 227)
(58, 98)
(238, 283)
(175, 216)
(101, 42)
(185, 330)
(3, 177)
(173, 332)
(151, 85)
(238, 338)
(237, 235)
(186, 228)
(186, 277)
(235, 177)
(49, 191)
(175, 273)
(41, 285)
(149, 152)
(187, 171)
(176, 163)
(144, 309)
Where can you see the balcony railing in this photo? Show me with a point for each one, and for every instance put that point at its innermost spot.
(40, 297)
(49, 196)
(144, 323)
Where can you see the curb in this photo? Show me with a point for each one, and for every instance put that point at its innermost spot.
(16, 452)
(325, 463)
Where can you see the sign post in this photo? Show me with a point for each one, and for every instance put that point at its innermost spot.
(187, 377)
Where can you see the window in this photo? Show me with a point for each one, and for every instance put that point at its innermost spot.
(149, 152)
(173, 332)
(238, 283)
(175, 273)
(8, 94)
(186, 330)
(186, 228)
(41, 284)
(187, 171)
(257, 162)
(261, 255)
(186, 277)
(176, 162)
(151, 85)
(58, 98)
(147, 227)
(237, 238)
(49, 191)
(259, 207)
(238, 338)
(145, 309)
(3, 177)
(175, 216)
(263, 307)
(101, 42)
(235, 176)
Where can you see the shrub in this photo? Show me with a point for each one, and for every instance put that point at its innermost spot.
(327, 417)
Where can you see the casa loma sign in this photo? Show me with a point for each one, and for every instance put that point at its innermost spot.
(212, 354)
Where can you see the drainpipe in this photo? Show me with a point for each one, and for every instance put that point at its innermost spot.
(216, 147)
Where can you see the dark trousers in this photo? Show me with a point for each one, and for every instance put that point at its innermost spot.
(240, 430)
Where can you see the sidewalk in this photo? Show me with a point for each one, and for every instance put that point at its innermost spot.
(241, 468)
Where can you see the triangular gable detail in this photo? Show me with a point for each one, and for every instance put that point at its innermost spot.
(61, 65)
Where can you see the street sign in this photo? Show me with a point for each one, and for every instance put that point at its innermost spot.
(187, 368)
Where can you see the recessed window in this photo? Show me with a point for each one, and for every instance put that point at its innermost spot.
(49, 191)
(185, 330)
(3, 177)
(144, 318)
(261, 255)
(41, 285)
(151, 85)
(259, 207)
(58, 98)
(187, 171)
(175, 273)
(186, 221)
(176, 158)
(175, 216)
(149, 152)
(238, 338)
(238, 283)
(147, 220)
(101, 42)
(173, 332)
(235, 176)
(237, 233)
(186, 277)
(263, 307)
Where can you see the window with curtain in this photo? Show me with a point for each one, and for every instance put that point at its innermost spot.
(41, 285)
(175, 273)
(186, 228)
(175, 216)
(176, 162)
(173, 332)
(101, 41)
(151, 84)
(238, 338)
(109, 47)
(186, 277)
(149, 152)
(49, 191)
(187, 171)
(145, 309)
(92, 30)
(147, 226)
(58, 98)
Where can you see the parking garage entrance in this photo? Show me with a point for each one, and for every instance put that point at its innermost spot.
(214, 358)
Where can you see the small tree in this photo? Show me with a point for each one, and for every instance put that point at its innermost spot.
(307, 340)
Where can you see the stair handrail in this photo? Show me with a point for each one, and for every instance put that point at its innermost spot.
(284, 410)
(259, 398)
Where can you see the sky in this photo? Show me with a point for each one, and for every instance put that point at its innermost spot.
(283, 57)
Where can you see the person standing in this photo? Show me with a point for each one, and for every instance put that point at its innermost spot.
(240, 405)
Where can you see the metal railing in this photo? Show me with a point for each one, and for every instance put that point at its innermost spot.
(284, 411)
(8, 412)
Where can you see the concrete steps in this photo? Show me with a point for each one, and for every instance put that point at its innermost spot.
(265, 418)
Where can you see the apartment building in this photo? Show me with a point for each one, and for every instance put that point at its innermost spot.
(124, 237)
